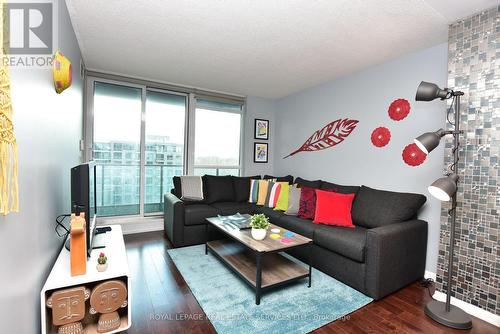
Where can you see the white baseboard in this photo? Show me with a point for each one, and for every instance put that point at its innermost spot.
(469, 308)
(135, 224)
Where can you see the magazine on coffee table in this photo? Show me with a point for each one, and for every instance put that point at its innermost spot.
(237, 220)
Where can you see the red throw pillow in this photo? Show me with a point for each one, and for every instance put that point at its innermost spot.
(307, 206)
(333, 208)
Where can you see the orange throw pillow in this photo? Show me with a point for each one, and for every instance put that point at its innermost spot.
(333, 208)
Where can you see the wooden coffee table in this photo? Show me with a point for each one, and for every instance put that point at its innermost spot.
(259, 263)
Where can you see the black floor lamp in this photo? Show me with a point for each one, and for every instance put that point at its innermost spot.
(444, 189)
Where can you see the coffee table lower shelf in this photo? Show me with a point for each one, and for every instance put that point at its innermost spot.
(261, 270)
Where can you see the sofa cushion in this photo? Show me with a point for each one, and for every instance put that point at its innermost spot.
(241, 187)
(339, 188)
(349, 242)
(218, 188)
(374, 208)
(298, 225)
(307, 206)
(333, 208)
(306, 183)
(231, 208)
(282, 202)
(253, 196)
(262, 191)
(273, 193)
(192, 188)
(195, 214)
(288, 178)
(293, 201)
(269, 212)
(177, 190)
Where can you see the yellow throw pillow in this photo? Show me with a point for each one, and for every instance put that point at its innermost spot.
(263, 185)
(282, 204)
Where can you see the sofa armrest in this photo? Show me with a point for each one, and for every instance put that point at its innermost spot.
(173, 219)
(395, 256)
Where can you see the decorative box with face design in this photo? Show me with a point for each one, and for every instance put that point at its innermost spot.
(107, 298)
(68, 308)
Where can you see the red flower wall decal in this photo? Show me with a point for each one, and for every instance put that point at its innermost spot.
(413, 156)
(330, 135)
(399, 109)
(381, 136)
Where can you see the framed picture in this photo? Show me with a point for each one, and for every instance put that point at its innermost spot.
(260, 152)
(261, 130)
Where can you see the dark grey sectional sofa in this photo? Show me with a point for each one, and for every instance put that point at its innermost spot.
(385, 252)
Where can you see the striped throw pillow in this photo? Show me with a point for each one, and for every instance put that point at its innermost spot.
(273, 193)
(263, 186)
(254, 191)
(282, 202)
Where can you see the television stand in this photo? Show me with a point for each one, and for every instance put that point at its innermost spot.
(60, 278)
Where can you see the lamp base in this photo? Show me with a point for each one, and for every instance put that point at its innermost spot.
(455, 318)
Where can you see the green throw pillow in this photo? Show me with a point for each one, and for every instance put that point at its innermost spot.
(282, 203)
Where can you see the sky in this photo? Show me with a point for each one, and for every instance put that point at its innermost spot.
(119, 119)
(217, 134)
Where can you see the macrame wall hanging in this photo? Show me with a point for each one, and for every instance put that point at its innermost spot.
(9, 198)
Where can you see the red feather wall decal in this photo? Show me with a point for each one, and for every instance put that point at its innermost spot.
(330, 135)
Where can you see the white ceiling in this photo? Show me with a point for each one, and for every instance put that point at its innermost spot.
(267, 48)
(454, 10)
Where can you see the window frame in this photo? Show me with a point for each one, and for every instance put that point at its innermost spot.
(217, 167)
(189, 126)
(143, 143)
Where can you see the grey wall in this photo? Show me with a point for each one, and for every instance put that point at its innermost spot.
(48, 127)
(365, 96)
(262, 108)
(474, 69)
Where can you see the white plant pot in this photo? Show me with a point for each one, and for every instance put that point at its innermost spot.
(102, 267)
(259, 233)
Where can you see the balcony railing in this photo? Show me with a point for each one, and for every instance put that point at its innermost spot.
(216, 170)
(118, 186)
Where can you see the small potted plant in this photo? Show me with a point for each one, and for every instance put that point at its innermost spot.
(259, 224)
(102, 262)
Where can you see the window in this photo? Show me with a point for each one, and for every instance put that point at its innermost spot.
(117, 121)
(217, 138)
(165, 131)
(141, 139)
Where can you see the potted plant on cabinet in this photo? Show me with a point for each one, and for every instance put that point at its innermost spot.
(259, 224)
(102, 262)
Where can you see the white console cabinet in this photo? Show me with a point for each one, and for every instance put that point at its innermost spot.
(60, 277)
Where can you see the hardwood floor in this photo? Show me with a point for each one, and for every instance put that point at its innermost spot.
(163, 303)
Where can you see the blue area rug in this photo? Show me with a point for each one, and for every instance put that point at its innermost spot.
(229, 302)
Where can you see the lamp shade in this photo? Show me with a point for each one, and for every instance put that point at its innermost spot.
(444, 188)
(429, 140)
(427, 91)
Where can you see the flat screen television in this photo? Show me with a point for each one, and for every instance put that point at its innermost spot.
(83, 198)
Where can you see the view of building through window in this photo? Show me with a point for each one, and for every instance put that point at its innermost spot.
(118, 185)
(164, 149)
(117, 146)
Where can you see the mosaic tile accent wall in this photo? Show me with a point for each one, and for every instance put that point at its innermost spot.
(473, 67)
